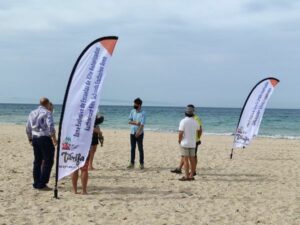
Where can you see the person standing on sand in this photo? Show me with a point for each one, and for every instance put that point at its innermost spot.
(51, 109)
(137, 120)
(198, 142)
(97, 134)
(189, 130)
(40, 131)
(84, 176)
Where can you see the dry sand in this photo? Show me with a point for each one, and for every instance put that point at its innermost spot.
(259, 186)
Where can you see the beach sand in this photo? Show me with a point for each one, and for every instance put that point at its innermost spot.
(259, 186)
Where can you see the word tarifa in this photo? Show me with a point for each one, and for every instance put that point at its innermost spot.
(71, 157)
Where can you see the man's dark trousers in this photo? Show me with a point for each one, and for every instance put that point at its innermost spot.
(43, 149)
(139, 141)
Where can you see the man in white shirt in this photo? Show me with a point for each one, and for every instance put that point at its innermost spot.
(41, 135)
(189, 130)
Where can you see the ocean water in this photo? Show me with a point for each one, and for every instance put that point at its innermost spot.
(277, 123)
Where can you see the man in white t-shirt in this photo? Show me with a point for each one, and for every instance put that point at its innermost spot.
(189, 129)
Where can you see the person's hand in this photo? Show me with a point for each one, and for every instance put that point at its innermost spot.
(30, 141)
(136, 123)
(54, 142)
(137, 135)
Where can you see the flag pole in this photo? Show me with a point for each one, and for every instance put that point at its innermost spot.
(231, 155)
(62, 116)
(59, 129)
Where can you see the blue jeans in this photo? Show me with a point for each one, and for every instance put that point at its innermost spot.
(139, 142)
(43, 149)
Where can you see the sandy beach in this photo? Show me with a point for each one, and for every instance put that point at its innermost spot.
(259, 186)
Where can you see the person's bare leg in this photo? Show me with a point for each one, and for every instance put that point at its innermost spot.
(92, 154)
(84, 180)
(193, 166)
(186, 166)
(74, 181)
(181, 162)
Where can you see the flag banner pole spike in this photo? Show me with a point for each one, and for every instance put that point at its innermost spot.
(231, 155)
(56, 192)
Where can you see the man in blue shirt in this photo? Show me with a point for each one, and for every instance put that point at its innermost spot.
(41, 135)
(137, 119)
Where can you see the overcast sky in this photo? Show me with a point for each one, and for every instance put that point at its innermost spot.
(170, 52)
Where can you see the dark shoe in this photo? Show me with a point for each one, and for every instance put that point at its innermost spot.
(131, 166)
(142, 166)
(45, 188)
(177, 170)
(183, 179)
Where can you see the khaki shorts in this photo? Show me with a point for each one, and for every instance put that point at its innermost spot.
(187, 151)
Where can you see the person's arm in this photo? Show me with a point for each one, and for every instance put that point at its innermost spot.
(141, 125)
(134, 123)
(139, 130)
(181, 131)
(131, 122)
(51, 127)
(200, 132)
(29, 130)
(180, 136)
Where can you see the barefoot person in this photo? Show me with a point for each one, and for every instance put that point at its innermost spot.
(198, 142)
(97, 135)
(137, 119)
(84, 176)
(188, 132)
(41, 135)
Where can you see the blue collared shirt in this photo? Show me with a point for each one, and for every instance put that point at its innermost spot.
(40, 123)
(139, 116)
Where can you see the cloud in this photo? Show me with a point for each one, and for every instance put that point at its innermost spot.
(41, 16)
(212, 46)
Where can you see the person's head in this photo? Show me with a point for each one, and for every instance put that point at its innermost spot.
(137, 103)
(45, 102)
(191, 105)
(189, 111)
(99, 119)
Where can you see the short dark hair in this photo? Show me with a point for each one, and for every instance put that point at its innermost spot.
(138, 101)
(191, 105)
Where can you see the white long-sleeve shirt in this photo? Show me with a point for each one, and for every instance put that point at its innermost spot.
(40, 123)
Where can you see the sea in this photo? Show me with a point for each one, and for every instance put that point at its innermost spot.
(276, 123)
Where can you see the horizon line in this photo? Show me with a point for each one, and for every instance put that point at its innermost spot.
(165, 106)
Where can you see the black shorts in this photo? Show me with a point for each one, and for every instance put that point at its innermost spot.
(197, 144)
(95, 140)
